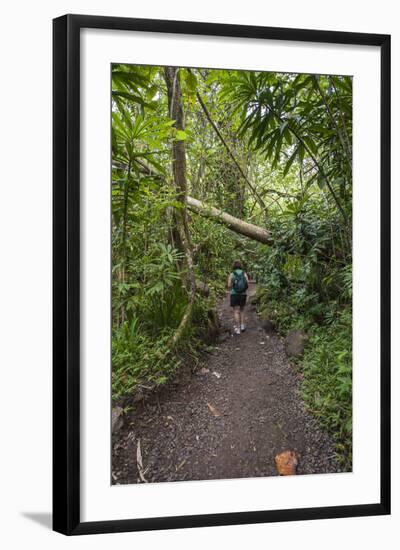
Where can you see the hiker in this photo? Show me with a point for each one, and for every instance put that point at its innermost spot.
(238, 283)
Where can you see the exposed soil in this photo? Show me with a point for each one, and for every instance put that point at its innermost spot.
(226, 420)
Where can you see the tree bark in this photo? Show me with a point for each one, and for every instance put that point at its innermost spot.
(238, 226)
(175, 109)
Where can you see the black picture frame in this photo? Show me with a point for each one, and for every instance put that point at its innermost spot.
(66, 273)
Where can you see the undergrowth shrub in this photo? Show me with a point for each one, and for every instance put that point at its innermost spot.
(327, 383)
(154, 304)
(138, 357)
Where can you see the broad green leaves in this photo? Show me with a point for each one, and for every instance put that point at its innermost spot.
(301, 119)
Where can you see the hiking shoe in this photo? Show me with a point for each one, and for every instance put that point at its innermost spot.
(242, 328)
(236, 330)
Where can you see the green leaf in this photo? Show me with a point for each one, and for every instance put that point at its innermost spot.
(134, 98)
(283, 126)
(321, 181)
(310, 144)
(180, 135)
(290, 161)
(191, 81)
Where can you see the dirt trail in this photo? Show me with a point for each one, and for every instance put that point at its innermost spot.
(228, 422)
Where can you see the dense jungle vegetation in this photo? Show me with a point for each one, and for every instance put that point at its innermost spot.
(213, 165)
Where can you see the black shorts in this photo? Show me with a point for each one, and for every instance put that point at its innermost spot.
(238, 300)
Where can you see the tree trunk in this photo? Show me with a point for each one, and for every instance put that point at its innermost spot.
(239, 226)
(175, 109)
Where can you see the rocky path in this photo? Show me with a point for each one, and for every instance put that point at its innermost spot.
(227, 420)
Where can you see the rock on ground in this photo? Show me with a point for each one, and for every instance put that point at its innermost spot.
(294, 343)
(117, 420)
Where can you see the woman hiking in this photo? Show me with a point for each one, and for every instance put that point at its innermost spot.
(238, 283)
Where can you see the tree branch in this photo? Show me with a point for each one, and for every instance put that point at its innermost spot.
(221, 137)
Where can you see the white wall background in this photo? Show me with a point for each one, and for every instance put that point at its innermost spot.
(25, 290)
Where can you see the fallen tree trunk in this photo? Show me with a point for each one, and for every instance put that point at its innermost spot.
(235, 224)
(238, 226)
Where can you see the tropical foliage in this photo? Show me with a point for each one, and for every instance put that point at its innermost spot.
(271, 149)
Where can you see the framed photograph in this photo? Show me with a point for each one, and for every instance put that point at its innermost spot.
(221, 264)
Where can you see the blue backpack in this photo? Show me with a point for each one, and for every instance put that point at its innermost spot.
(239, 283)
